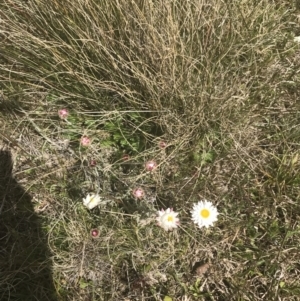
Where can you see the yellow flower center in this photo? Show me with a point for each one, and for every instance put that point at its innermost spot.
(204, 213)
(170, 218)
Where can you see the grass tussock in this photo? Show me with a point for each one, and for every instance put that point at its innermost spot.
(207, 89)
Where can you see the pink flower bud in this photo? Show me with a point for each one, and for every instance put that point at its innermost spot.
(63, 113)
(95, 233)
(162, 144)
(138, 193)
(125, 157)
(93, 163)
(85, 141)
(150, 165)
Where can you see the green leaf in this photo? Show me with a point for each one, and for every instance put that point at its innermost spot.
(207, 157)
(107, 143)
(83, 284)
(167, 298)
(281, 284)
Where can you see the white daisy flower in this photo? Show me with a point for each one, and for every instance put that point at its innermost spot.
(167, 219)
(92, 201)
(204, 214)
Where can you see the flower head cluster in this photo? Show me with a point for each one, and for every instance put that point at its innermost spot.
(95, 233)
(63, 113)
(92, 200)
(162, 144)
(93, 163)
(138, 193)
(151, 165)
(167, 219)
(204, 214)
(85, 141)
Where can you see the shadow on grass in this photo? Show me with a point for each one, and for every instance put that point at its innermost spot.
(25, 270)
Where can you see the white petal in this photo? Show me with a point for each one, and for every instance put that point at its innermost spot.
(297, 39)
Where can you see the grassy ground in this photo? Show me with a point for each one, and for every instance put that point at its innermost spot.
(217, 81)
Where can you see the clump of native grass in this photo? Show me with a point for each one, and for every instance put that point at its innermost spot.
(216, 81)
